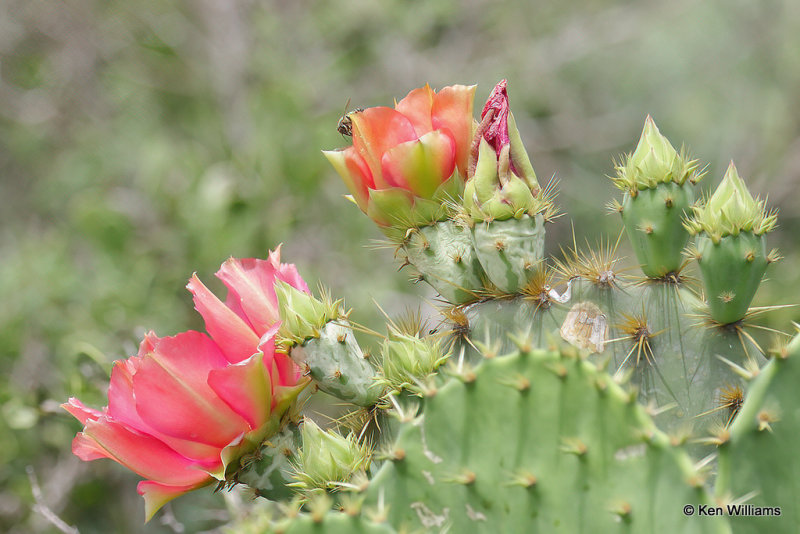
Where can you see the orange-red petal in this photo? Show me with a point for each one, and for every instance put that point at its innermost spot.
(376, 130)
(354, 172)
(417, 107)
(420, 166)
(452, 110)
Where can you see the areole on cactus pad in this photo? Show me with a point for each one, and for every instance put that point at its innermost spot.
(568, 394)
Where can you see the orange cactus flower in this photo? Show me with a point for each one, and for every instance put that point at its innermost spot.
(402, 157)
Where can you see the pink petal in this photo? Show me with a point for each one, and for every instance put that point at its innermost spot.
(122, 408)
(354, 172)
(80, 411)
(173, 396)
(142, 454)
(246, 388)
(288, 371)
(87, 449)
(157, 495)
(250, 285)
(376, 130)
(417, 107)
(452, 110)
(233, 335)
(148, 342)
(420, 166)
(287, 272)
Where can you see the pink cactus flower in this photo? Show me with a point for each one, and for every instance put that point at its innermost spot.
(184, 409)
(415, 147)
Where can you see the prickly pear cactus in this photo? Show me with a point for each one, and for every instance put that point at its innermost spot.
(535, 441)
(572, 394)
(755, 452)
(574, 391)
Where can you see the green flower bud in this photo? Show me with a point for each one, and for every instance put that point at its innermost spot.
(328, 460)
(302, 315)
(408, 360)
(654, 161)
(731, 210)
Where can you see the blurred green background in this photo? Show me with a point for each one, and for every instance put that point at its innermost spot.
(142, 141)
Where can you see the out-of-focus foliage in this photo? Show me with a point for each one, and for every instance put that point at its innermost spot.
(142, 141)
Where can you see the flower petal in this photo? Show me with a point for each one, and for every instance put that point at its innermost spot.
(376, 130)
(452, 110)
(122, 408)
(287, 272)
(422, 165)
(173, 396)
(417, 107)
(144, 455)
(250, 284)
(233, 335)
(246, 387)
(80, 411)
(157, 495)
(354, 172)
(288, 371)
(390, 206)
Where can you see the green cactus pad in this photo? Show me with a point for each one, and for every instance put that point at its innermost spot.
(336, 363)
(444, 256)
(653, 220)
(538, 442)
(494, 325)
(758, 458)
(510, 251)
(732, 270)
(678, 361)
